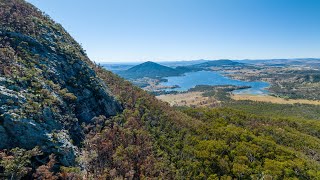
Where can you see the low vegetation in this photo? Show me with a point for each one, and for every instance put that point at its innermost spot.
(296, 111)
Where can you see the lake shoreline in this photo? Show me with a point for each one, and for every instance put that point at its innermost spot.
(213, 78)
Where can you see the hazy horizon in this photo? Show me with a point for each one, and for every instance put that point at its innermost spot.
(173, 30)
(165, 61)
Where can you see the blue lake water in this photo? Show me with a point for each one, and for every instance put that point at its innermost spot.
(190, 80)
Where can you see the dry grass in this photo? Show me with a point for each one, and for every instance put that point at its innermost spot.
(188, 99)
(195, 99)
(272, 99)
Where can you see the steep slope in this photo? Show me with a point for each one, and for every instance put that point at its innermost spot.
(47, 86)
(149, 69)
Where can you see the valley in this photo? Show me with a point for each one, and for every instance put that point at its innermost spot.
(283, 81)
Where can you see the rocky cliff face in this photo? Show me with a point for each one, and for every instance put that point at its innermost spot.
(47, 85)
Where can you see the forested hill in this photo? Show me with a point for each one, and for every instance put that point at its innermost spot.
(218, 63)
(63, 117)
(149, 69)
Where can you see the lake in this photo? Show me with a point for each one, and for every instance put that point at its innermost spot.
(190, 80)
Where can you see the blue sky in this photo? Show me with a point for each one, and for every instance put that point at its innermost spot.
(165, 30)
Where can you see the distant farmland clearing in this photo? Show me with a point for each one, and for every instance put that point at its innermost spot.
(188, 99)
(272, 99)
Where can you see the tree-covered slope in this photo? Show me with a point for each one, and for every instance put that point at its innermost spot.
(63, 117)
(218, 63)
(149, 69)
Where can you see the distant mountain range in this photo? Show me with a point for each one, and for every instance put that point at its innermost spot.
(155, 70)
(187, 66)
(182, 63)
(281, 61)
(159, 70)
(218, 63)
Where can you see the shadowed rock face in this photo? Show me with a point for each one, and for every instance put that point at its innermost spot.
(47, 85)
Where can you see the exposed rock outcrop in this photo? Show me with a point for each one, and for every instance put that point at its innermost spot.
(47, 85)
